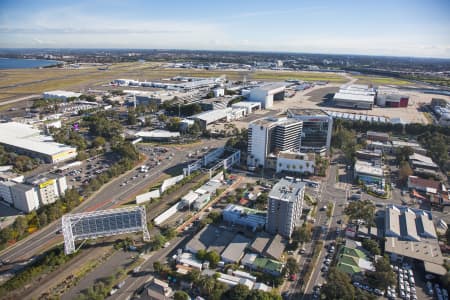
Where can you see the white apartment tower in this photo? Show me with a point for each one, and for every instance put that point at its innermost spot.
(269, 135)
(285, 206)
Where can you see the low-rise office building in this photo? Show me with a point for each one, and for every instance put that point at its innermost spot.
(369, 173)
(295, 162)
(251, 219)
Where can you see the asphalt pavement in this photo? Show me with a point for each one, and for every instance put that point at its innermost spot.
(109, 196)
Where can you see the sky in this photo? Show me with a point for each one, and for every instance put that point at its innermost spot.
(382, 27)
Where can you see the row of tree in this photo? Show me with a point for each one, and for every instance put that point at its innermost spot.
(20, 163)
(212, 289)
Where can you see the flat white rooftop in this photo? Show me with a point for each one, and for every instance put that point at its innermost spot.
(26, 137)
(354, 97)
(157, 134)
(60, 93)
(367, 168)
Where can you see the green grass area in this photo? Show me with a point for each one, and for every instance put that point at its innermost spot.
(377, 80)
(40, 80)
(305, 76)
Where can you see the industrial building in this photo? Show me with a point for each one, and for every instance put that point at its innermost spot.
(377, 136)
(226, 114)
(157, 135)
(391, 98)
(285, 206)
(418, 161)
(267, 93)
(24, 139)
(235, 249)
(316, 130)
(410, 233)
(356, 96)
(61, 95)
(249, 106)
(248, 218)
(214, 103)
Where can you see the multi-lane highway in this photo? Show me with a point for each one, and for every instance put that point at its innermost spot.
(111, 195)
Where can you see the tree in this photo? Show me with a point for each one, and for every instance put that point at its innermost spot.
(363, 210)
(131, 118)
(21, 225)
(213, 257)
(238, 292)
(302, 234)
(43, 220)
(180, 295)
(193, 276)
(260, 295)
(292, 266)
(338, 286)
(98, 142)
(207, 285)
(157, 266)
(371, 246)
(201, 254)
(403, 153)
(383, 276)
(158, 241)
(404, 172)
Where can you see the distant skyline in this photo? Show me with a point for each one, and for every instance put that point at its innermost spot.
(394, 28)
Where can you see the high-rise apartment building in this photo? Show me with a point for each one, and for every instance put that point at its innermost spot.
(285, 206)
(269, 135)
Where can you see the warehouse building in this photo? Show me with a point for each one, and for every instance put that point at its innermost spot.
(355, 96)
(391, 98)
(157, 135)
(249, 106)
(61, 95)
(24, 139)
(410, 233)
(377, 136)
(267, 93)
(235, 249)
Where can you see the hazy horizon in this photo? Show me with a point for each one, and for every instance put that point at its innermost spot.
(385, 28)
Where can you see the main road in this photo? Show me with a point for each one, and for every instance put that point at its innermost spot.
(110, 195)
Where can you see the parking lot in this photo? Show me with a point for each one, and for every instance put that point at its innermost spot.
(86, 171)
